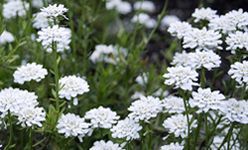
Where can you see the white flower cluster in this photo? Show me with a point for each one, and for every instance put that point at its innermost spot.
(102, 145)
(204, 14)
(101, 117)
(179, 29)
(6, 37)
(72, 86)
(168, 20)
(239, 72)
(54, 10)
(145, 108)
(173, 104)
(108, 53)
(28, 72)
(172, 146)
(23, 105)
(181, 77)
(40, 21)
(15, 8)
(206, 100)
(72, 125)
(237, 40)
(147, 6)
(178, 125)
(145, 20)
(123, 7)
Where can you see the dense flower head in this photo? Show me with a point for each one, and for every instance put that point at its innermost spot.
(172, 146)
(181, 77)
(127, 129)
(72, 86)
(179, 29)
(28, 72)
(6, 37)
(54, 10)
(205, 99)
(235, 110)
(204, 14)
(168, 20)
(60, 36)
(40, 21)
(183, 59)
(15, 8)
(178, 125)
(145, 108)
(123, 7)
(108, 54)
(239, 72)
(173, 104)
(145, 6)
(144, 19)
(102, 145)
(237, 40)
(72, 125)
(202, 39)
(101, 117)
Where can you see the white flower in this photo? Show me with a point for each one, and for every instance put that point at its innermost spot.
(6, 37)
(60, 36)
(177, 124)
(172, 146)
(181, 77)
(120, 6)
(160, 93)
(183, 59)
(28, 72)
(102, 145)
(137, 95)
(237, 40)
(72, 86)
(101, 117)
(145, 6)
(127, 128)
(206, 100)
(38, 3)
(179, 29)
(173, 104)
(72, 125)
(235, 110)
(202, 39)
(14, 100)
(108, 53)
(40, 21)
(29, 116)
(168, 20)
(239, 72)
(142, 79)
(15, 8)
(145, 108)
(54, 10)
(204, 14)
(144, 19)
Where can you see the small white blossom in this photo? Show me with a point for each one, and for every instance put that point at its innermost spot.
(168, 20)
(40, 21)
(127, 128)
(177, 124)
(144, 19)
(237, 40)
(181, 77)
(60, 36)
(109, 145)
(205, 99)
(239, 72)
(202, 39)
(173, 104)
(15, 8)
(102, 117)
(204, 14)
(6, 37)
(172, 146)
(183, 59)
(28, 72)
(179, 29)
(145, 6)
(145, 108)
(142, 79)
(72, 86)
(137, 95)
(72, 125)
(120, 6)
(54, 10)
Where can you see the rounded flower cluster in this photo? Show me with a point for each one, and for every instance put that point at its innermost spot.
(72, 125)
(59, 36)
(145, 108)
(177, 124)
(40, 21)
(28, 72)
(54, 10)
(6, 37)
(239, 72)
(120, 6)
(15, 8)
(145, 6)
(179, 29)
(205, 99)
(168, 20)
(173, 104)
(204, 14)
(72, 86)
(237, 40)
(102, 117)
(172, 146)
(144, 19)
(102, 145)
(127, 128)
(181, 77)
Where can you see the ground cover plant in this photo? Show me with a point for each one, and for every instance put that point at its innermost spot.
(79, 75)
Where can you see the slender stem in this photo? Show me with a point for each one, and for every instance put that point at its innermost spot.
(30, 138)
(200, 119)
(203, 78)
(10, 132)
(228, 136)
(56, 76)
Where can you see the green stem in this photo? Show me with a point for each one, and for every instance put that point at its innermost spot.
(10, 132)
(228, 136)
(30, 138)
(200, 119)
(203, 78)
(56, 76)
